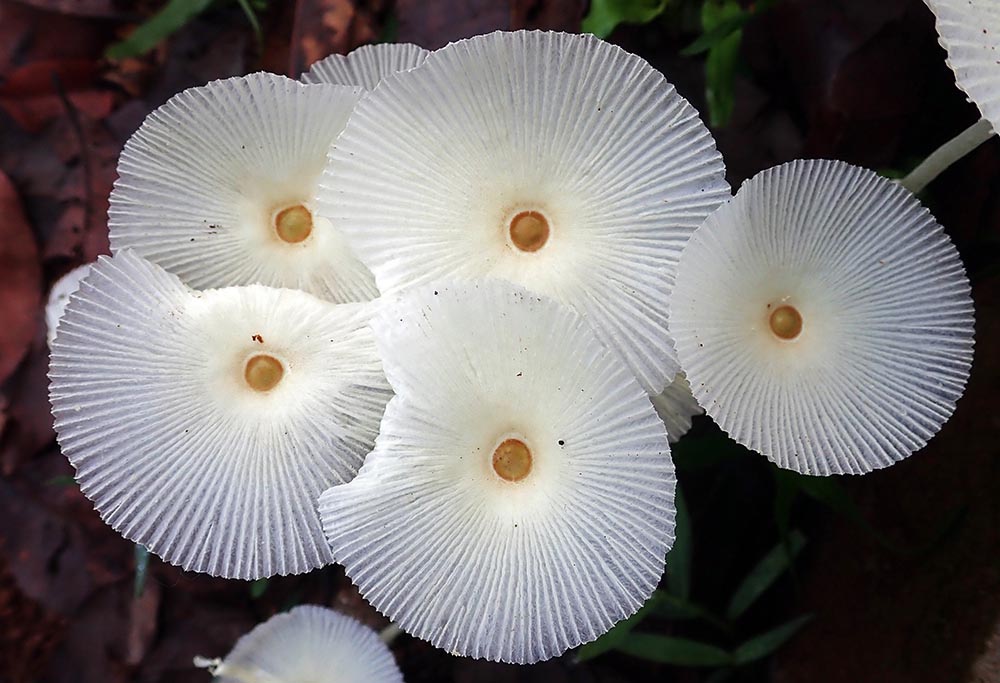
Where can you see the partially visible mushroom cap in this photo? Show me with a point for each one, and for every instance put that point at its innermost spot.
(217, 187)
(367, 65)
(59, 297)
(823, 318)
(519, 500)
(676, 406)
(556, 161)
(309, 644)
(204, 425)
(970, 32)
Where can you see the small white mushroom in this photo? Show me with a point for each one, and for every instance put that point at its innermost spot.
(823, 318)
(969, 31)
(519, 500)
(308, 644)
(367, 65)
(217, 187)
(59, 296)
(556, 161)
(204, 425)
(676, 406)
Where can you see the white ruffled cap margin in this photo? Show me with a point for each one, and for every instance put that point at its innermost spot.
(367, 65)
(886, 334)
(309, 644)
(970, 33)
(203, 179)
(482, 566)
(436, 162)
(676, 406)
(59, 297)
(169, 441)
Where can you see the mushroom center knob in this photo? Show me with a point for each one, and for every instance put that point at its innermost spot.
(529, 231)
(786, 322)
(293, 224)
(263, 372)
(512, 460)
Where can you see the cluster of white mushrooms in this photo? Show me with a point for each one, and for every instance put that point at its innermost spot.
(412, 315)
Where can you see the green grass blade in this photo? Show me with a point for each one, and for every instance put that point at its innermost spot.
(174, 15)
(141, 569)
(677, 651)
(767, 643)
(767, 571)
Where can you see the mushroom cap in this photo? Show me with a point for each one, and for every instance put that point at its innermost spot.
(970, 33)
(676, 406)
(309, 643)
(59, 297)
(203, 179)
(569, 126)
(367, 65)
(483, 566)
(886, 322)
(176, 450)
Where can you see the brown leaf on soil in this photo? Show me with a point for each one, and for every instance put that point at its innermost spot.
(31, 97)
(20, 280)
(322, 27)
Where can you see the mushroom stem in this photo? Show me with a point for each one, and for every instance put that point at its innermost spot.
(947, 154)
(389, 633)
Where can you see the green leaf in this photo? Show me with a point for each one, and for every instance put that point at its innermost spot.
(679, 557)
(605, 15)
(768, 570)
(723, 58)
(722, 30)
(61, 480)
(677, 651)
(173, 16)
(141, 569)
(761, 646)
(616, 635)
(257, 588)
(671, 607)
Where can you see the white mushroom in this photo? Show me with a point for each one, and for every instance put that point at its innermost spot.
(59, 297)
(367, 65)
(676, 406)
(217, 185)
(556, 161)
(204, 425)
(969, 31)
(308, 644)
(823, 318)
(519, 500)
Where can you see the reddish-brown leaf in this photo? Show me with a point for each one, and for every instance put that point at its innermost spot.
(20, 280)
(322, 27)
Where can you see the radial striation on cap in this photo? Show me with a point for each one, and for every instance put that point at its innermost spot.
(367, 65)
(970, 33)
(310, 644)
(823, 318)
(519, 500)
(559, 162)
(204, 425)
(217, 187)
